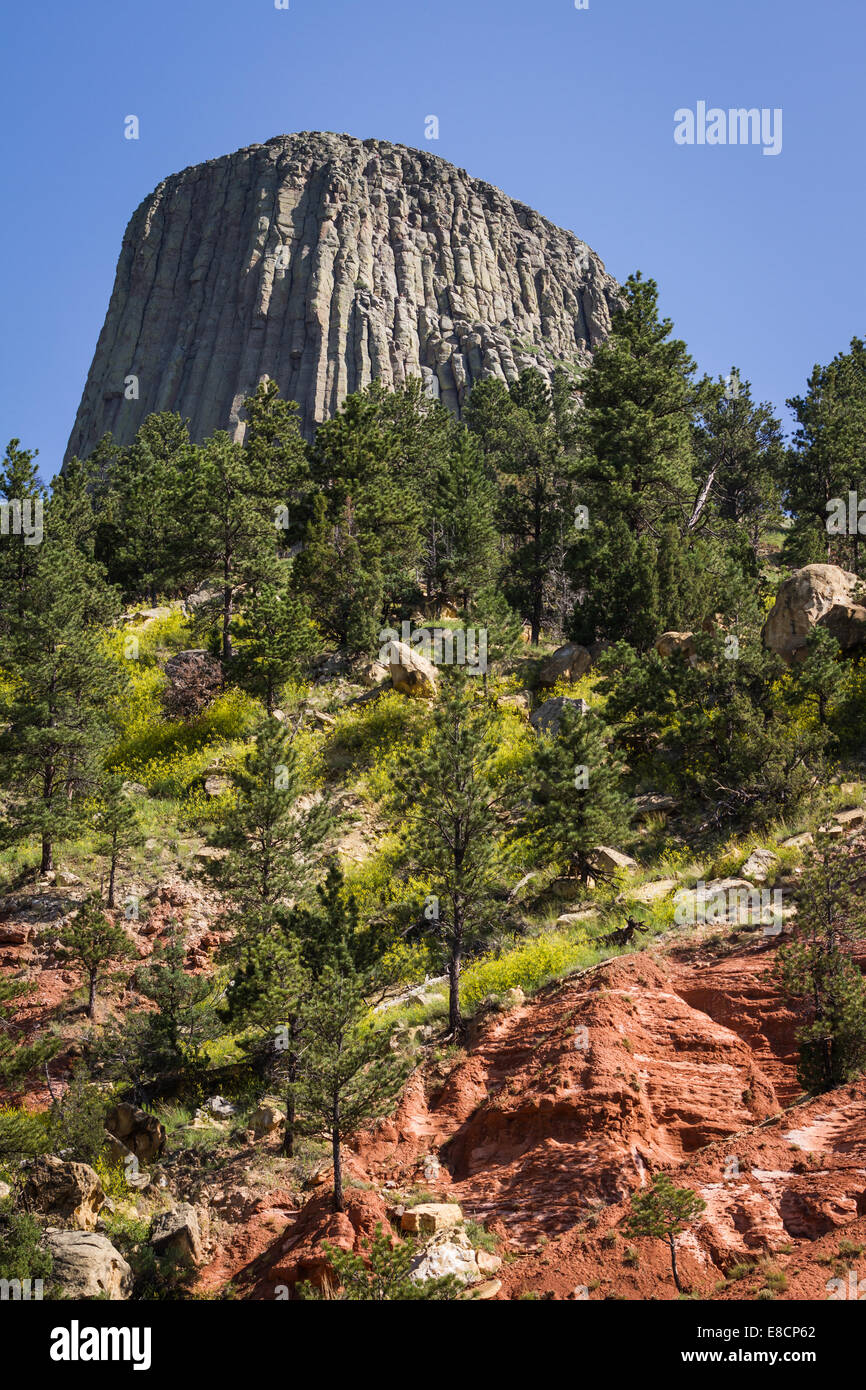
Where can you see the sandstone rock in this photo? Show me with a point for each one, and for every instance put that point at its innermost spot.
(324, 262)
(14, 933)
(88, 1266)
(411, 673)
(806, 598)
(547, 719)
(654, 892)
(266, 1120)
(759, 864)
(448, 1252)
(798, 841)
(371, 673)
(612, 860)
(430, 1217)
(141, 1133)
(181, 1235)
(567, 663)
(671, 642)
(574, 919)
(487, 1263)
(489, 1289)
(518, 702)
(70, 1192)
(653, 803)
(851, 820)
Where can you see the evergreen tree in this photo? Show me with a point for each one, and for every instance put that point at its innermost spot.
(23, 496)
(63, 682)
(232, 509)
(464, 540)
(456, 811)
(274, 637)
(349, 1074)
(139, 493)
(828, 459)
(818, 970)
(118, 830)
(345, 588)
(381, 1273)
(662, 1212)
(270, 839)
(90, 942)
(523, 431)
(635, 474)
(170, 1037)
(740, 456)
(576, 801)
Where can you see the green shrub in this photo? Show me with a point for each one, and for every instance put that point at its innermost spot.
(527, 967)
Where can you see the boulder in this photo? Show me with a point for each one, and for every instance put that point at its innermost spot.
(654, 892)
(67, 1191)
(181, 1235)
(371, 673)
(411, 673)
(670, 642)
(567, 663)
(612, 860)
(489, 1289)
(519, 703)
(142, 1134)
(223, 1109)
(798, 841)
(266, 1120)
(429, 1217)
(87, 1265)
(449, 1252)
(547, 719)
(759, 864)
(851, 820)
(804, 599)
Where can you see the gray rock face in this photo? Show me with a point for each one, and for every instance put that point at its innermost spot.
(88, 1266)
(323, 262)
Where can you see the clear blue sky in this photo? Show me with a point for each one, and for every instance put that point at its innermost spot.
(759, 259)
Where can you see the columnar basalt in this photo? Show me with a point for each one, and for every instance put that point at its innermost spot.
(323, 262)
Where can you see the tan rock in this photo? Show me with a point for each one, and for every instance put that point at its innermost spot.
(87, 1265)
(411, 673)
(430, 1217)
(569, 663)
(612, 859)
(806, 598)
(671, 642)
(67, 1191)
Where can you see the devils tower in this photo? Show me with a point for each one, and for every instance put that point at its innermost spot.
(324, 262)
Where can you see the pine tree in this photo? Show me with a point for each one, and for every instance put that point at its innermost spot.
(274, 637)
(818, 970)
(827, 461)
(271, 841)
(22, 495)
(740, 455)
(344, 586)
(90, 942)
(576, 799)
(635, 474)
(56, 714)
(231, 510)
(523, 432)
(118, 830)
(464, 539)
(349, 1074)
(456, 811)
(662, 1212)
(380, 1273)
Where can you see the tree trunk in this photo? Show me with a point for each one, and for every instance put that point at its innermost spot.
(47, 855)
(111, 878)
(455, 1022)
(289, 1132)
(339, 1205)
(674, 1264)
(91, 1003)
